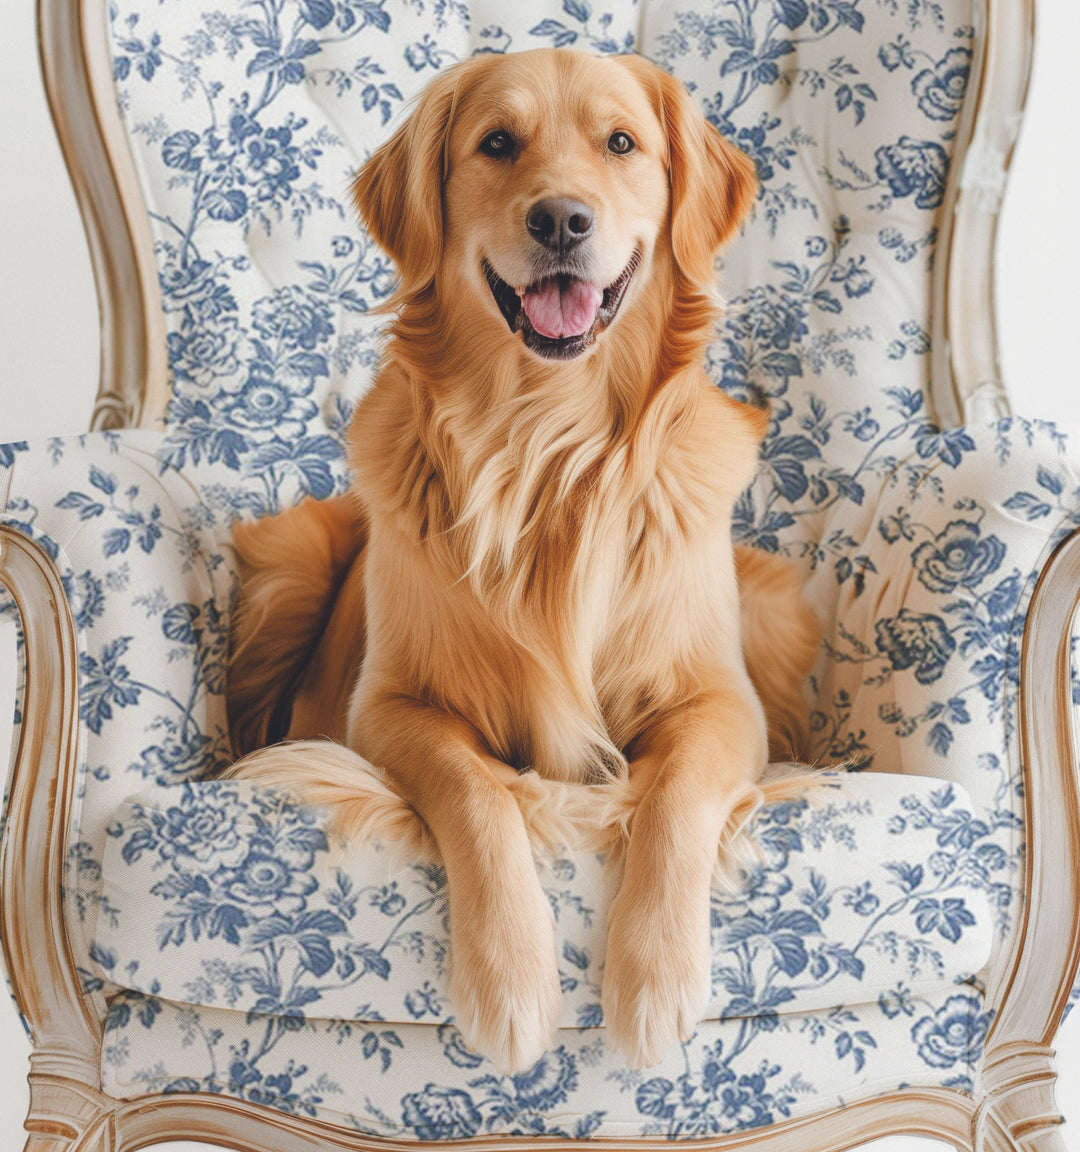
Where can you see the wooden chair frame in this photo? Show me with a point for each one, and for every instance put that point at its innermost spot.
(1013, 1107)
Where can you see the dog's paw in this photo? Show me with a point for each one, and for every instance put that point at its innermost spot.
(505, 986)
(657, 980)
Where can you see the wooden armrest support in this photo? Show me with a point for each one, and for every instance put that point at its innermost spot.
(37, 948)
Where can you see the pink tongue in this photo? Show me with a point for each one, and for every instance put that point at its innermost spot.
(559, 312)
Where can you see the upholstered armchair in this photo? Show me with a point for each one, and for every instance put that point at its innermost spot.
(200, 958)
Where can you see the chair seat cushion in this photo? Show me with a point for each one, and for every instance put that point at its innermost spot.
(222, 894)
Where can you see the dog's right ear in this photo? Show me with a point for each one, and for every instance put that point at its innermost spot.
(399, 190)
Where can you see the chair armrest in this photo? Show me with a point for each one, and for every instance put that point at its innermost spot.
(122, 592)
(951, 657)
(923, 658)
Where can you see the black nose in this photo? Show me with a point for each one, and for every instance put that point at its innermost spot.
(559, 223)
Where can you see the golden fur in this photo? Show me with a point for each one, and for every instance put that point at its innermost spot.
(533, 568)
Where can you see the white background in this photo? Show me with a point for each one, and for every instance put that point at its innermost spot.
(49, 346)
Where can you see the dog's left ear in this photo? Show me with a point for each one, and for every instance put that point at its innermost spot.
(399, 190)
(713, 183)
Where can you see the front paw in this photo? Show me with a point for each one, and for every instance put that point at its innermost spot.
(657, 977)
(505, 985)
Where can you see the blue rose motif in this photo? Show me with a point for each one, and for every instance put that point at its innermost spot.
(265, 404)
(205, 836)
(918, 167)
(266, 884)
(292, 318)
(191, 285)
(174, 757)
(958, 557)
(549, 1082)
(440, 1113)
(200, 353)
(771, 319)
(955, 1033)
(915, 640)
(941, 89)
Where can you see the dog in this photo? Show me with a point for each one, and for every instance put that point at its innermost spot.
(532, 572)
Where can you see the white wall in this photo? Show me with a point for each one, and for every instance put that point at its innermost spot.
(49, 349)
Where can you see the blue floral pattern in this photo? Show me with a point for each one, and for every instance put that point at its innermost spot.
(250, 956)
(347, 1072)
(252, 908)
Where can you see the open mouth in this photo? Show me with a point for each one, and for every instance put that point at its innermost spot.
(560, 316)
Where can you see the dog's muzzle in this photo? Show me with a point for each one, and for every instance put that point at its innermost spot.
(560, 316)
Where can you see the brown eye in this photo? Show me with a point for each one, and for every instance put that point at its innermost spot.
(497, 144)
(620, 143)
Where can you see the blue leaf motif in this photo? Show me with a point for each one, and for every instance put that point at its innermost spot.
(791, 13)
(1031, 506)
(559, 33)
(576, 956)
(791, 953)
(371, 960)
(653, 1098)
(227, 205)
(790, 477)
(116, 540)
(316, 952)
(948, 917)
(940, 738)
(177, 151)
(318, 13)
(1051, 481)
(178, 623)
(226, 920)
(106, 684)
(102, 480)
(86, 506)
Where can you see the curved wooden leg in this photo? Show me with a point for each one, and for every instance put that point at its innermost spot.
(1019, 1112)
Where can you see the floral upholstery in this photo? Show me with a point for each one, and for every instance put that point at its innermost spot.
(253, 909)
(835, 970)
(417, 1081)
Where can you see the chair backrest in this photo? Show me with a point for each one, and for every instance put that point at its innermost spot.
(856, 292)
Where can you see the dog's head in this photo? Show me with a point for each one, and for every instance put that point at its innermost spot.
(554, 184)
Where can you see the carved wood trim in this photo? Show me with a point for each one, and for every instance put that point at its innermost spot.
(937, 1113)
(76, 64)
(966, 382)
(37, 948)
(1031, 989)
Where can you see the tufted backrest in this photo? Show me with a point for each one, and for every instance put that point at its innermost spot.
(247, 121)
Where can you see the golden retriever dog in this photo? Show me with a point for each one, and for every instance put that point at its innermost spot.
(533, 570)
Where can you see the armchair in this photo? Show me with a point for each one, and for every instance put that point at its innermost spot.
(196, 958)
